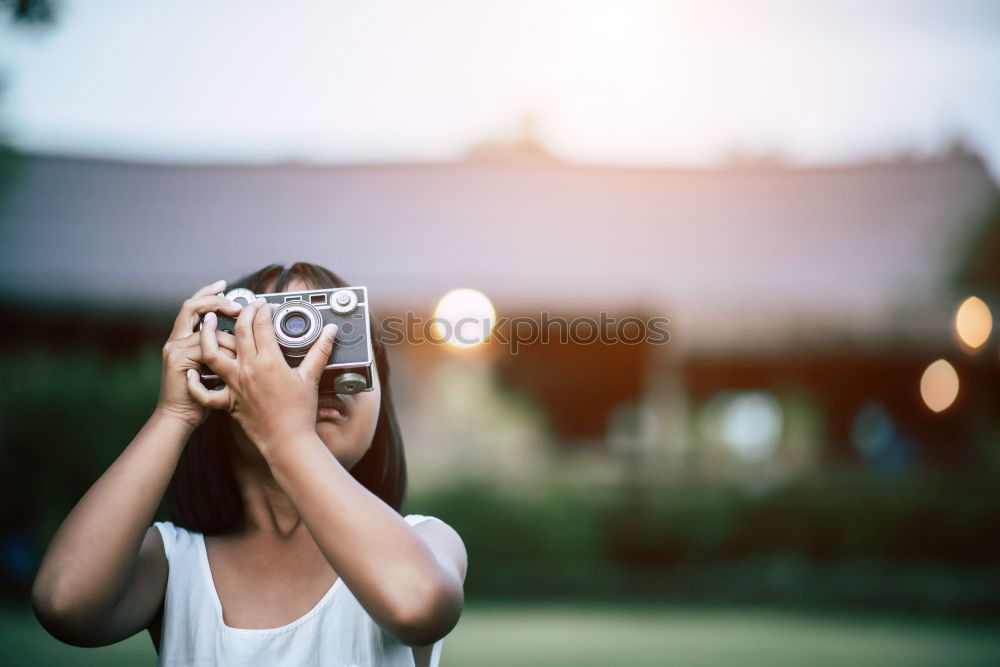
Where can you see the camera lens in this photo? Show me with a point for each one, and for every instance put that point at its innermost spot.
(295, 325)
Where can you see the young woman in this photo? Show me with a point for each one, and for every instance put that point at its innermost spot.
(286, 546)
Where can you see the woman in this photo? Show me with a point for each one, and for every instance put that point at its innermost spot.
(286, 545)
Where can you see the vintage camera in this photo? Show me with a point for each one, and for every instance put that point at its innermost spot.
(298, 319)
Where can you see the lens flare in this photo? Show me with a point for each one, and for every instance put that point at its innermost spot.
(939, 385)
(973, 322)
(464, 318)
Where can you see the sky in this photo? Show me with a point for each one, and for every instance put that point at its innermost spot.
(614, 82)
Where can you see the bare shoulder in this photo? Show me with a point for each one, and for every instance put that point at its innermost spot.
(149, 578)
(153, 555)
(152, 544)
(444, 541)
(153, 550)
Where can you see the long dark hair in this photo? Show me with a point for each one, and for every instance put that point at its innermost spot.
(203, 495)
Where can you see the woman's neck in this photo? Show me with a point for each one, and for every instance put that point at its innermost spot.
(268, 508)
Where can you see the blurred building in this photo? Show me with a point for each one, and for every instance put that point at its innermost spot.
(804, 304)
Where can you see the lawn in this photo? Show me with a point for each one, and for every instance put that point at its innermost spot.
(556, 635)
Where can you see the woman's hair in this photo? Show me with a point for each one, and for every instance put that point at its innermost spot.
(203, 495)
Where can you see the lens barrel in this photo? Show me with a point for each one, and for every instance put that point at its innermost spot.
(297, 325)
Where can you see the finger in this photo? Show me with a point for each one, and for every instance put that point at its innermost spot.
(245, 345)
(263, 331)
(183, 317)
(217, 399)
(311, 368)
(223, 366)
(205, 304)
(192, 310)
(226, 341)
(220, 304)
(214, 288)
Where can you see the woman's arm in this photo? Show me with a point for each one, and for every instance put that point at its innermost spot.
(104, 574)
(410, 584)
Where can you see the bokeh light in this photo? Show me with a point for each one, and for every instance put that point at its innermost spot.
(464, 318)
(973, 322)
(749, 423)
(939, 385)
(872, 430)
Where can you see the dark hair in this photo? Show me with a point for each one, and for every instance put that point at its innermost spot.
(203, 495)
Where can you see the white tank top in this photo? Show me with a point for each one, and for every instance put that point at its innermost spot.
(337, 632)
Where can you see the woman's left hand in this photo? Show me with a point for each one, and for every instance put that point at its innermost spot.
(270, 400)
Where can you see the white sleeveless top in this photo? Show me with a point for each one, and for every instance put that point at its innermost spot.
(337, 632)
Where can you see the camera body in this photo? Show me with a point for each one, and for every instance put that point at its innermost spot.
(298, 319)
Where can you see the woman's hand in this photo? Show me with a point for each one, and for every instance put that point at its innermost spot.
(183, 352)
(273, 402)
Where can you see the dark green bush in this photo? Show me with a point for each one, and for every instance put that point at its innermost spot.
(920, 541)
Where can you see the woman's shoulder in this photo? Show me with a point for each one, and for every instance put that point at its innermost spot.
(443, 537)
(175, 537)
(414, 519)
(173, 528)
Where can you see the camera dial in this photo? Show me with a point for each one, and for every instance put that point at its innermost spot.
(241, 295)
(349, 383)
(343, 301)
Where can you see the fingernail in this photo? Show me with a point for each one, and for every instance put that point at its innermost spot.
(210, 317)
(330, 330)
(191, 373)
(237, 305)
(260, 301)
(219, 283)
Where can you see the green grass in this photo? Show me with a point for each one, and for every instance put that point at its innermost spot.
(23, 642)
(584, 636)
(556, 635)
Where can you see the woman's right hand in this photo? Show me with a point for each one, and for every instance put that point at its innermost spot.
(183, 351)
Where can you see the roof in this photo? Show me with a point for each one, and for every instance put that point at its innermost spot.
(734, 250)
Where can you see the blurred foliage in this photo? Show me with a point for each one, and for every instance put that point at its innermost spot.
(978, 267)
(927, 542)
(64, 418)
